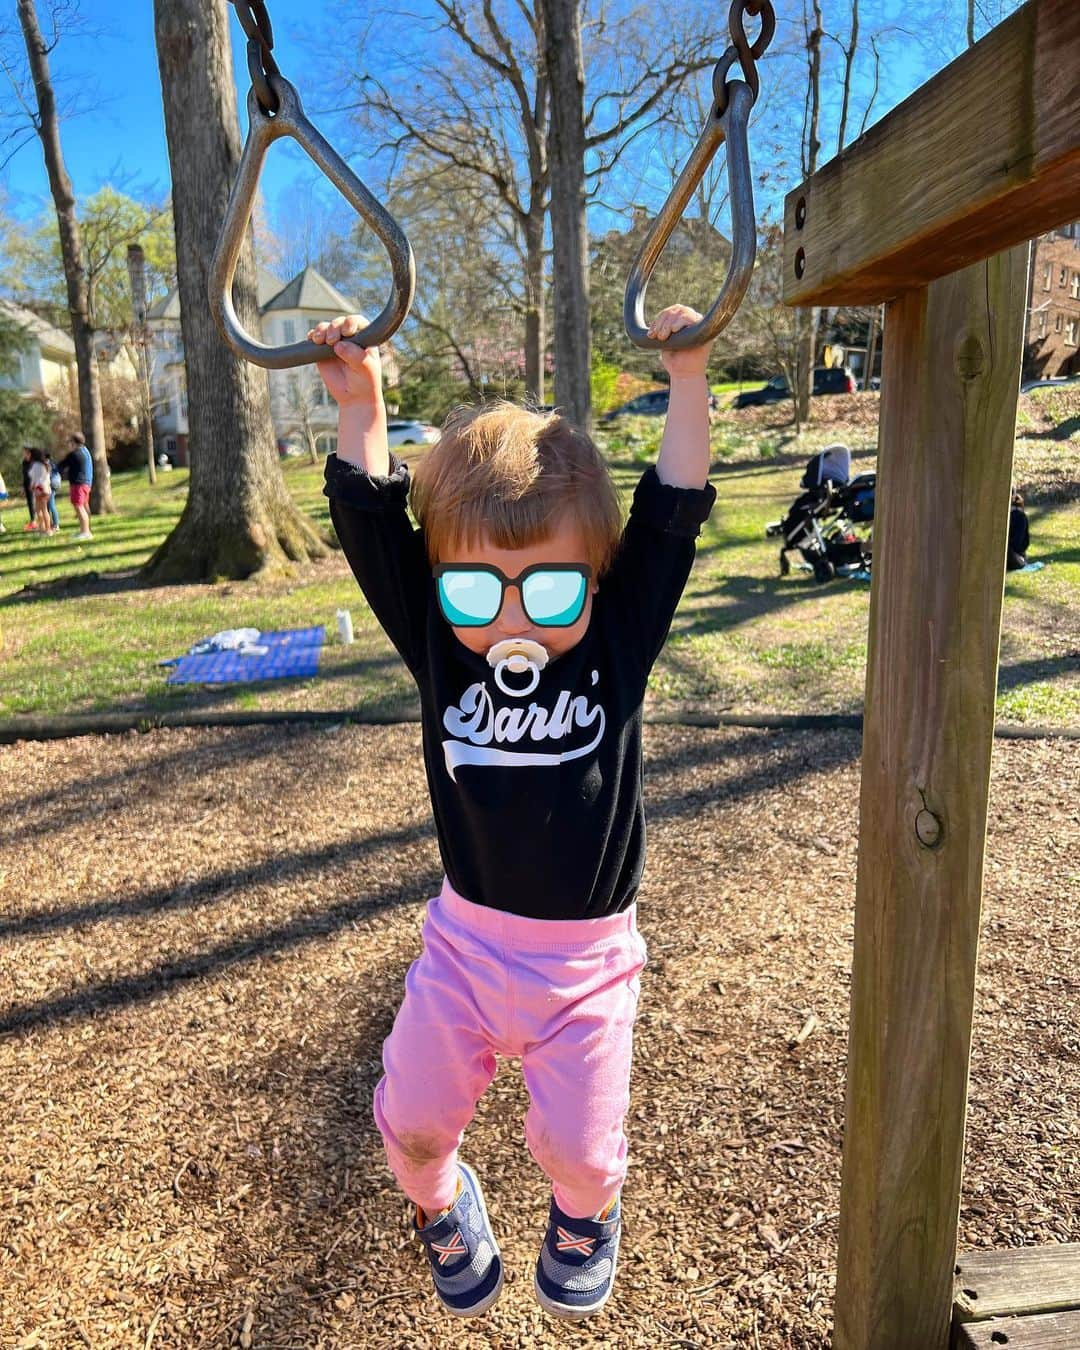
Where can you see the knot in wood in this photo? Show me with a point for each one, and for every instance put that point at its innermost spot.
(928, 829)
(970, 358)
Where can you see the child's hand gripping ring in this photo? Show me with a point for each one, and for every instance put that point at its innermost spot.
(517, 656)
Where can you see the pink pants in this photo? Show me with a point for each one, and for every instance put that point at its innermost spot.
(561, 995)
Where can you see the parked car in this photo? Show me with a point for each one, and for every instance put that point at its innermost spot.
(400, 432)
(827, 380)
(652, 404)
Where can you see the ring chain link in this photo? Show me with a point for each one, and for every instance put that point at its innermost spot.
(742, 49)
(255, 21)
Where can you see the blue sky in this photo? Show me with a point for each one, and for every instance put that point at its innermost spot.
(122, 136)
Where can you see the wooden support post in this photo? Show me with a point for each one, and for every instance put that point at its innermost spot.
(949, 386)
(985, 155)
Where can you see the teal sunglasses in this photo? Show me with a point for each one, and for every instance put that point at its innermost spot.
(553, 595)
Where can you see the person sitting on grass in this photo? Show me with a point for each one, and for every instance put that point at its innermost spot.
(77, 467)
(1019, 536)
(529, 618)
(41, 489)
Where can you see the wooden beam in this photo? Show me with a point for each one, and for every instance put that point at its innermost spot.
(1051, 1331)
(1019, 1281)
(949, 387)
(985, 155)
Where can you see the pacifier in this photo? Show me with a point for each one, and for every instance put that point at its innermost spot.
(517, 656)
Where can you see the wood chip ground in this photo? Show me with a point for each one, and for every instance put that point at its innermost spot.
(203, 939)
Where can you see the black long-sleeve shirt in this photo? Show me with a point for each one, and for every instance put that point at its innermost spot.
(537, 800)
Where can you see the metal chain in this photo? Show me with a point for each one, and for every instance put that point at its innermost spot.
(255, 21)
(742, 49)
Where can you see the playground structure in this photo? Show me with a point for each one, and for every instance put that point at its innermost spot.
(929, 213)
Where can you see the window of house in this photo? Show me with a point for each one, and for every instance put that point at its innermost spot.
(1057, 323)
(1042, 325)
(1072, 332)
(288, 328)
(1063, 276)
(1048, 276)
(1076, 286)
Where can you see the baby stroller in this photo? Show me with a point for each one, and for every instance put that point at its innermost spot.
(821, 523)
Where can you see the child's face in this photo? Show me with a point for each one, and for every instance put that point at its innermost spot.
(565, 545)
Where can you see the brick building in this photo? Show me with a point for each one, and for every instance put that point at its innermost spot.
(1053, 329)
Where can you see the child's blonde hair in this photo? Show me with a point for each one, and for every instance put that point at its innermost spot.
(515, 476)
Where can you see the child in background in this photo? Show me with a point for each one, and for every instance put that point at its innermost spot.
(530, 620)
(1019, 536)
(41, 489)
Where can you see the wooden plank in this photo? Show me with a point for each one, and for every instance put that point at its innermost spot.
(1018, 1281)
(983, 156)
(949, 388)
(1051, 1331)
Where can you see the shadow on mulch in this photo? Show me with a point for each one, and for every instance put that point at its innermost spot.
(66, 809)
(151, 984)
(765, 761)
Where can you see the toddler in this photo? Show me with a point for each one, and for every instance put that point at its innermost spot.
(529, 619)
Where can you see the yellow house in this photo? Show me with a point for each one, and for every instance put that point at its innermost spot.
(47, 361)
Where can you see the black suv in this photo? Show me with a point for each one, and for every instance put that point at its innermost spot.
(827, 380)
(652, 404)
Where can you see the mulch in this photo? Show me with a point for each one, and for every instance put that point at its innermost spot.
(202, 945)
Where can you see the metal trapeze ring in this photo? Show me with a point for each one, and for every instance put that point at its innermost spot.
(263, 130)
(725, 127)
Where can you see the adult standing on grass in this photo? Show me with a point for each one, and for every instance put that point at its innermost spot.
(78, 468)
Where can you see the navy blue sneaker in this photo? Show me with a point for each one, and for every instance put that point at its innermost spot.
(465, 1261)
(576, 1269)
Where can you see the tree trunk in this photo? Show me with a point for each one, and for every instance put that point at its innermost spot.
(239, 518)
(569, 233)
(48, 129)
(535, 337)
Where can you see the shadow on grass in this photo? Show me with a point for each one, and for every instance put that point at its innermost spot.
(1035, 669)
(736, 600)
(79, 587)
(1064, 431)
(35, 589)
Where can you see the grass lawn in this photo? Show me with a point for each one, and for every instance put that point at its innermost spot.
(80, 634)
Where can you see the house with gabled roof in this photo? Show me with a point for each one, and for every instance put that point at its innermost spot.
(47, 366)
(303, 413)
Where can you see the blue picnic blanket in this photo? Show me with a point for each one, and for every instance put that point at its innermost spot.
(292, 651)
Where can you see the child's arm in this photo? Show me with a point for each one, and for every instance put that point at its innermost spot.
(354, 379)
(684, 451)
(368, 494)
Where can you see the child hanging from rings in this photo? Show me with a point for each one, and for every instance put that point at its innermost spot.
(529, 619)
